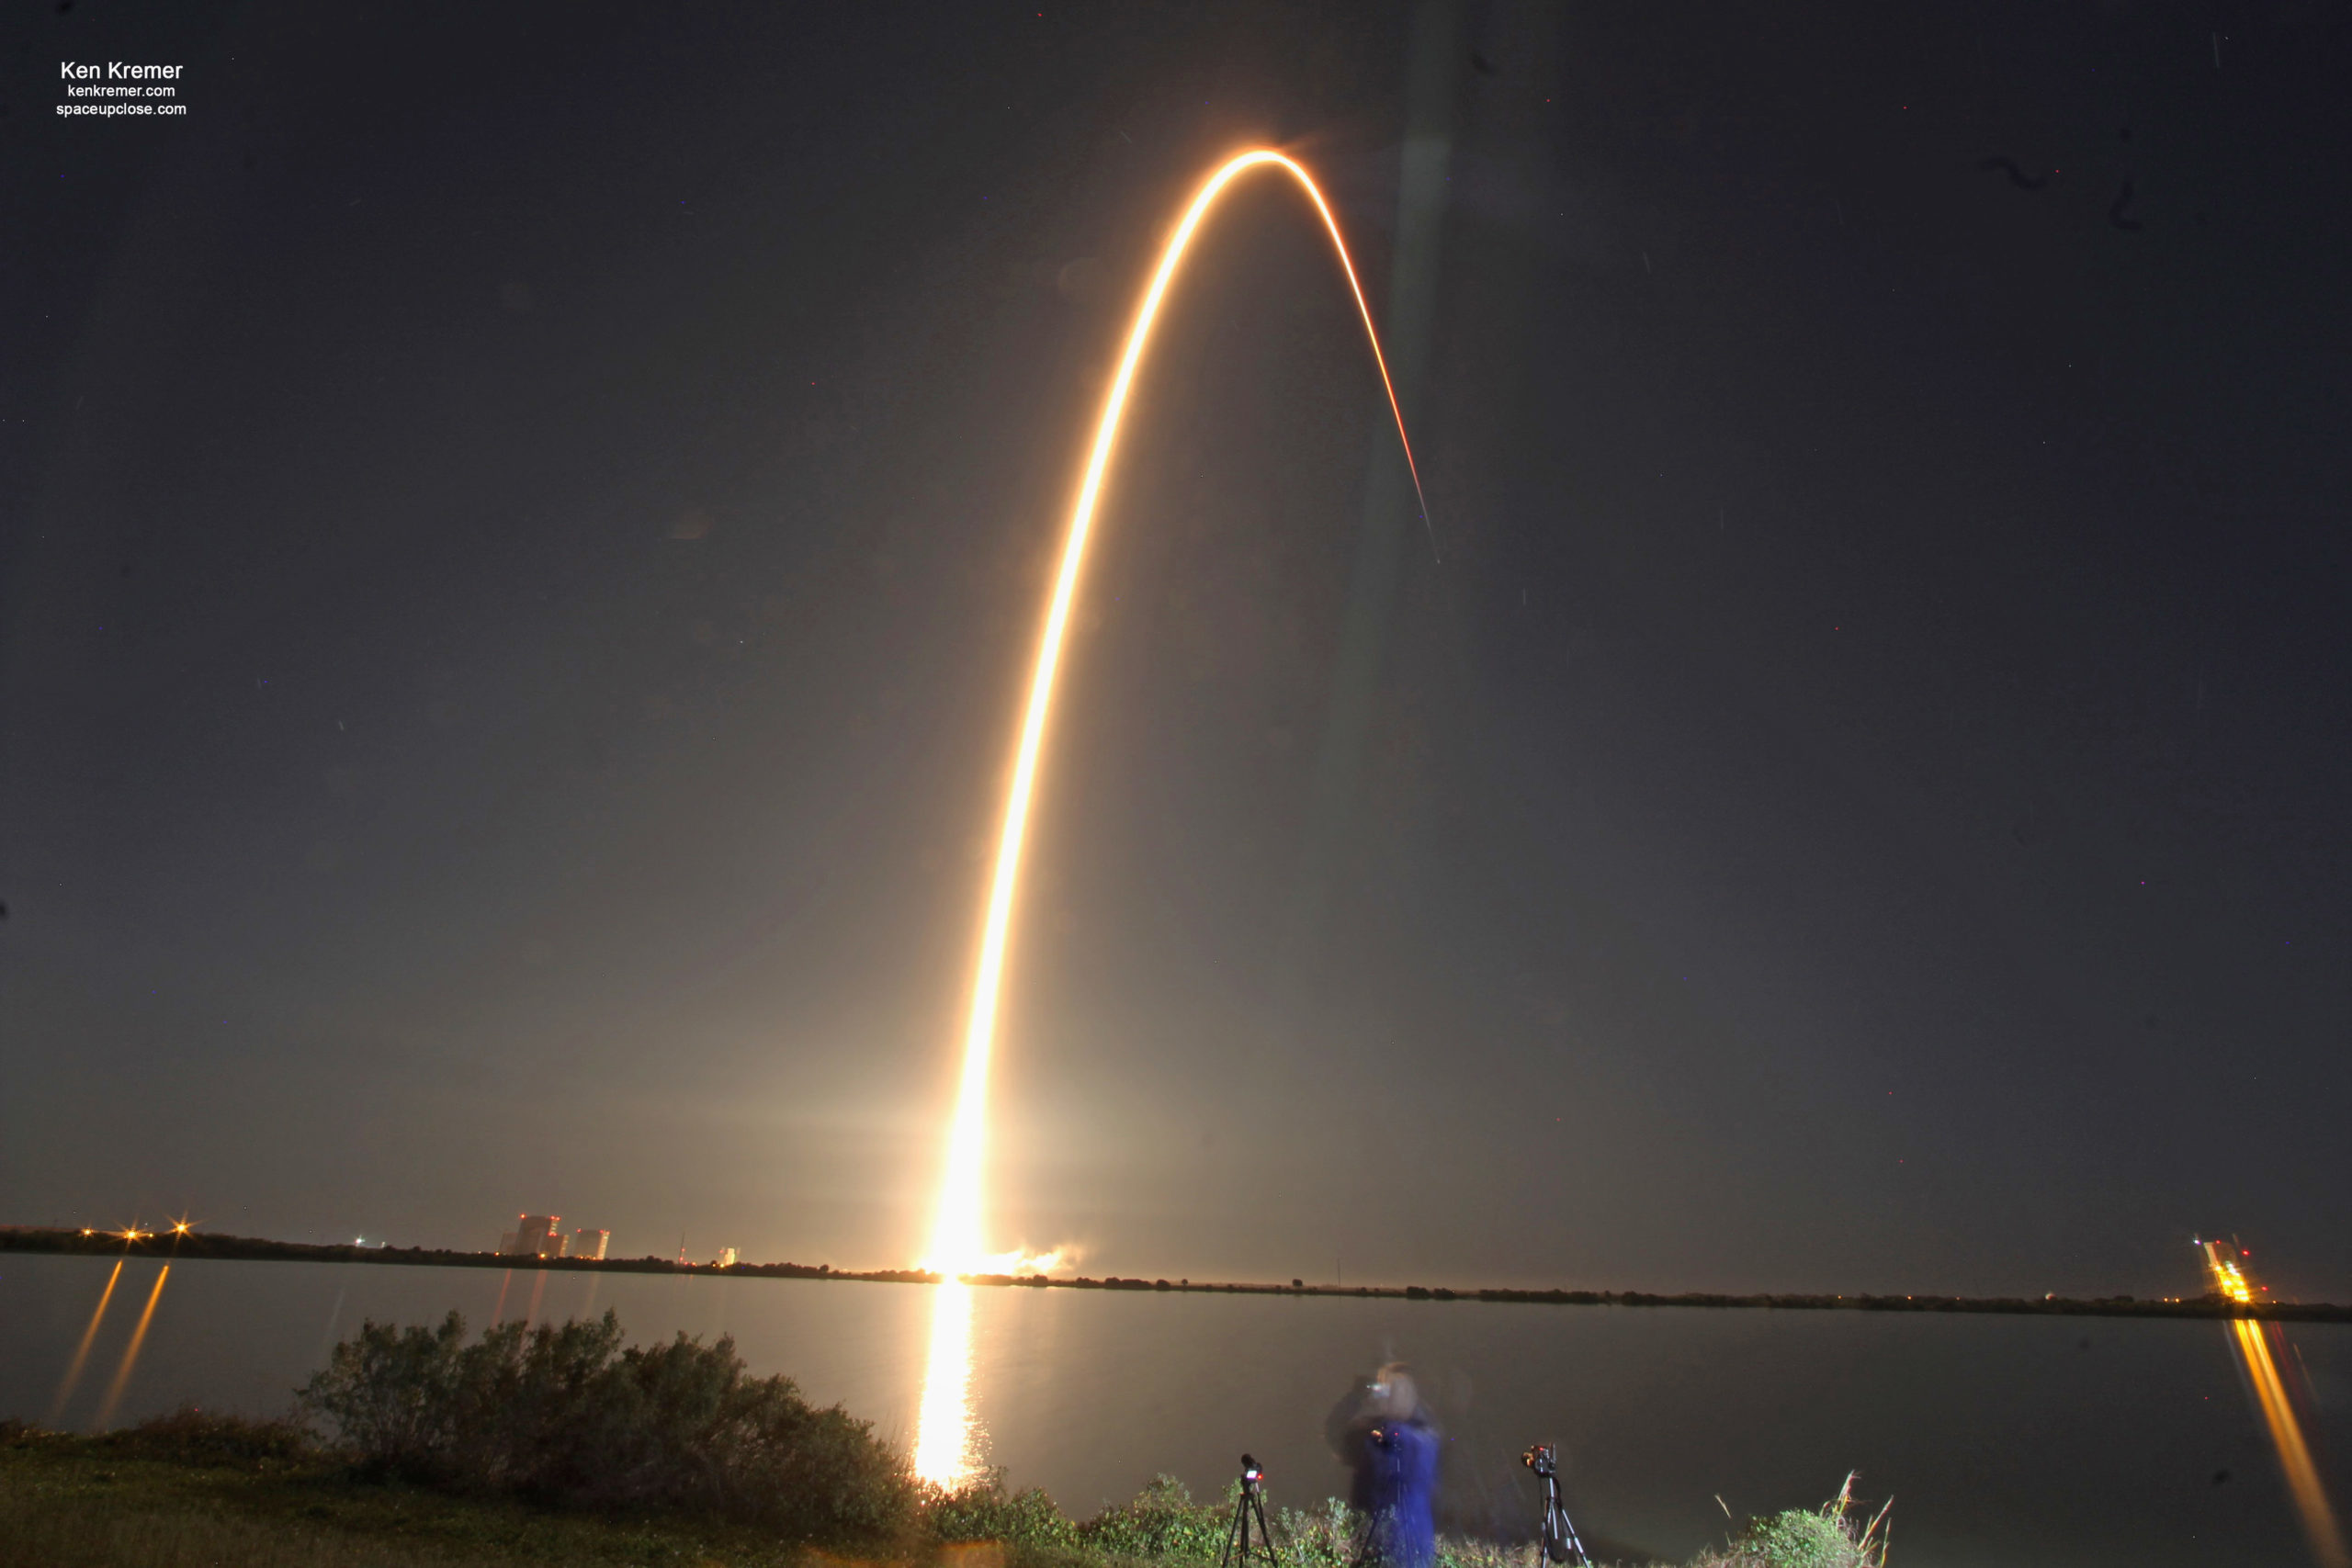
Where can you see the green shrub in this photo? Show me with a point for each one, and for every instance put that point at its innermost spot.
(1799, 1538)
(1161, 1521)
(1835, 1536)
(566, 1414)
(1327, 1537)
(985, 1511)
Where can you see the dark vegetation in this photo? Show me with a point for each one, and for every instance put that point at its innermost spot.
(105, 1244)
(567, 1415)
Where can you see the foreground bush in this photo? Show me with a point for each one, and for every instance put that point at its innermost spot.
(1832, 1536)
(568, 1414)
(1161, 1521)
(986, 1511)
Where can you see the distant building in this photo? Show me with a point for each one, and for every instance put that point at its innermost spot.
(726, 1258)
(505, 1243)
(586, 1243)
(536, 1235)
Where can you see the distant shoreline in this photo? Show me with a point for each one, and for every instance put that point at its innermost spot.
(205, 1244)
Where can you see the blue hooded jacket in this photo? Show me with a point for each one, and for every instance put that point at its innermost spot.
(1403, 1478)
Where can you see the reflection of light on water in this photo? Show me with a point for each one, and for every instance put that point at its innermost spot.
(946, 1436)
(82, 1351)
(334, 1316)
(130, 1353)
(2287, 1436)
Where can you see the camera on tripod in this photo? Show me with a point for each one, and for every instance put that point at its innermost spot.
(1249, 1508)
(1555, 1537)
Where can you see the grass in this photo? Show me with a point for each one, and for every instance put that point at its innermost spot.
(150, 1498)
(189, 1490)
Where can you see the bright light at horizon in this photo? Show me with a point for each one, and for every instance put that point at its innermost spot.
(957, 1244)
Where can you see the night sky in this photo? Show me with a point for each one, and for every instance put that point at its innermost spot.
(522, 528)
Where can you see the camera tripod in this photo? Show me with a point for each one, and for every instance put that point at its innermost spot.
(1557, 1539)
(1240, 1550)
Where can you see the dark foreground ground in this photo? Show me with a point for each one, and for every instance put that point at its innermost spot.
(120, 1502)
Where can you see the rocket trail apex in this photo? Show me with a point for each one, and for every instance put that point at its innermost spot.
(956, 1246)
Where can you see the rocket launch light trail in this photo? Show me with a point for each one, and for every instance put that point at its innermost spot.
(943, 1440)
(956, 1241)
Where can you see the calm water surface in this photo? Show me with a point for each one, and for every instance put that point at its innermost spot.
(2014, 1442)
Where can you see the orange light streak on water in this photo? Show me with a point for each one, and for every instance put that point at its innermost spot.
(2303, 1482)
(82, 1351)
(958, 1243)
(130, 1353)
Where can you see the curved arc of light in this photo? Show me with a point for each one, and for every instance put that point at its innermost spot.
(956, 1242)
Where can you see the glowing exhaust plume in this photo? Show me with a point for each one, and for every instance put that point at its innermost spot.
(82, 1351)
(1020, 1262)
(130, 1353)
(956, 1243)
